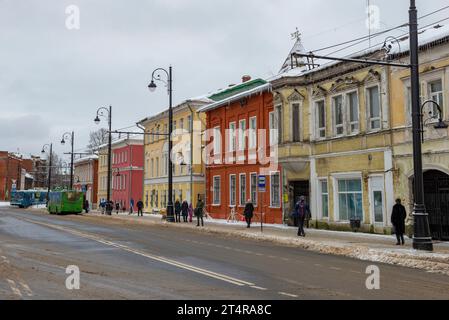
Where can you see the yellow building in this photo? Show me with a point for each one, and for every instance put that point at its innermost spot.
(102, 173)
(345, 139)
(188, 167)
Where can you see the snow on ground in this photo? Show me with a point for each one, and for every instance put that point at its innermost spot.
(4, 204)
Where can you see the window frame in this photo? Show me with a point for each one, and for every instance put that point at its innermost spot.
(318, 129)
(251, 175)
(335, 127)
(272, 205)
(368, 108)
(345, 176)
(242, 200)
(231, 193)
(218, 195)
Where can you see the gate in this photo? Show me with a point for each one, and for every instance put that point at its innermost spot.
(436, 198)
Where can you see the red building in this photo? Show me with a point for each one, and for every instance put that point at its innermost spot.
(15, 174)
(85, 176)
(241, 138)
(127, 171)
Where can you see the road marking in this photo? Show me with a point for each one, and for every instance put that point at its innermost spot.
(14, 288)
(288, 294)
(181, 265)
(358, 272)
(259, 288)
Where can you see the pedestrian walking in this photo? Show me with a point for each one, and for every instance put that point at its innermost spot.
(185, 210)
(398, 217)
(302, 211)
(131, 206)
(139, 208)
(199, 212)
(86, 205)
(178, 210)
(249, 213)
(102, 206)
(117, 207)
(190, 213)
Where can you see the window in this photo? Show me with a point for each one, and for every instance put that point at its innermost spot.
(338, 115)
(189, 123)
(253, 188)
(273, 129)
(157, 167)
(174, 125)
(350, 199)
(217, 141)
(232, 187)
(324, 199)
(321, 119)
(242, 135)
(156, 137)
(151, 136)
(296, 122)
(374, 108)
(243, 189)
(232, 137)
(165, 128)
(181, 124)
(353, 108)
(152, 168)
(217, 186)
(275, 183)
(436, 94)
(252, 133)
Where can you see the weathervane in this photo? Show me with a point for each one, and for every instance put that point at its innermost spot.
(296, 35)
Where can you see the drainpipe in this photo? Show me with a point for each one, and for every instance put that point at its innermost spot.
(191, 152)
(143, 153)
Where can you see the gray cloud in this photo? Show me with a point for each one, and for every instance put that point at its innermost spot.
(59, 77)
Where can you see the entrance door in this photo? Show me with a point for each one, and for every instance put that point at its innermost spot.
(436, 198)
(298, 189)
(377, 206)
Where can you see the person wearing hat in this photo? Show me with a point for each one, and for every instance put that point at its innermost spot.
(302, 211)
(249, 213)
(398, 217)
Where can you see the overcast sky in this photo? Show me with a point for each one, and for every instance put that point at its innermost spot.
(53, 79)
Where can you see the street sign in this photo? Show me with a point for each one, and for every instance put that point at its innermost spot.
(262, 183)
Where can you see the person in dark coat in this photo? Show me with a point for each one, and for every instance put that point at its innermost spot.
(302, 211)
(185, 210)
(139, 208)
(398, 217)
(178, 211)
(249, 213)
(86, 206)
(199, 212)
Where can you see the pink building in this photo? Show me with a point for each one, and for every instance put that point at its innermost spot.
(127, 171)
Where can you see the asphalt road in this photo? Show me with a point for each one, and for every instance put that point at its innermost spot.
(119, 260)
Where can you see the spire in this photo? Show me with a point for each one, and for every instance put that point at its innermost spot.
(293, 61)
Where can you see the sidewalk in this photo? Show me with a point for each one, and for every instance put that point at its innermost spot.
(368, 247)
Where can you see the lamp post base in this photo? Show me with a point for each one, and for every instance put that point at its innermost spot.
(170, 213)
(422, 240)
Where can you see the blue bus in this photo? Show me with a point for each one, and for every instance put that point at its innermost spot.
(28, 198)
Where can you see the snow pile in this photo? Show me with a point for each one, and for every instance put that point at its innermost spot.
(4, 204)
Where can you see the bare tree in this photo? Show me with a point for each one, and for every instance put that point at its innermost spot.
(97, 138)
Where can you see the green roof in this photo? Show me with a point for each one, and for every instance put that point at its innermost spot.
(232, 91)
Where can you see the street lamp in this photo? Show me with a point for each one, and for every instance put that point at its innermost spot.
(107, 112)
(432, 116)
(152, 87)
(50, 148)
(70, 136)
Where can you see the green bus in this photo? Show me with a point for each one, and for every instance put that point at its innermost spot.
(64, 202)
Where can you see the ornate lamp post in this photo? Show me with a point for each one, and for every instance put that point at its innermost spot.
(50, 148)
(152, 86)
(107, 113)
(70, 136)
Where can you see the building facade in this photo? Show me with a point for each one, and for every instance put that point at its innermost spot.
(127, 169)
(85, 175)
(188, 166)
(346, 139)
(240, 136)
(16, 173)
(102, 173)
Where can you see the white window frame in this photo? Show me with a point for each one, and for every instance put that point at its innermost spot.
(334, 115)
(232, 136)
(335, 179)
(242, 201)
(217, 141)
(348, 108)
(252, 139)
(231, 193)
(272, 173)
(431, 95)
(273, 128)
(252, 174)
(242, 135)
(317, 120)
(298, 103)
(368, 108)
(216, 196)
(320, 198)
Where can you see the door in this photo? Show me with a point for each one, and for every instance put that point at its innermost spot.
(436, 199)
(298, 189)
(377, 202)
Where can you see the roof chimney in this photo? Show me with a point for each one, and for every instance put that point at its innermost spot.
(246, 78)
